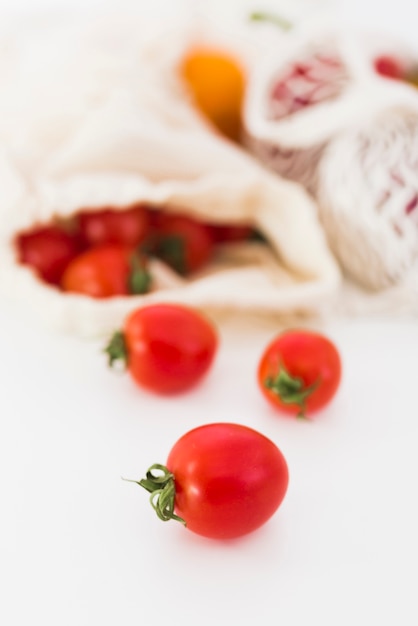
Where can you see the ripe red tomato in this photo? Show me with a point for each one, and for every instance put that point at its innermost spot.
(226, 233)
(167, 347)
(390, 67)
(105, 271)
(182, 242)
(48, 250)
(128, 227)
(299, 370)
(222, 480)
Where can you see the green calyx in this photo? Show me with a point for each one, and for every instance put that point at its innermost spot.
(171, 250)
(116, 349)
(159, 482)
(277, 20)
(290, 389)
(139, 277)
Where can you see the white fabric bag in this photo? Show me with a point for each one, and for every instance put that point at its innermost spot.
(92, 114)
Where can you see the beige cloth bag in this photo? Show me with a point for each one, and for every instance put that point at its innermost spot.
(93, 114)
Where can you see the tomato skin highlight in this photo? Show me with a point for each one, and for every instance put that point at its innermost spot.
(169, 347)
(229, 479)
(308, 356)
(127, 227)
(100, 272)
(48, 250)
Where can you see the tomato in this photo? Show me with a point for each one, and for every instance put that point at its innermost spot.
(182, 242)
(106, 271)
(127, 227)
(48, 250)
(389, 67)
(221, 480)
(299, 370)
(167, 348)
(217, 83)
(227, 233)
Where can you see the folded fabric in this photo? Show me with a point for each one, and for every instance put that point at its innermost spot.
(319, 113)
(93, 114)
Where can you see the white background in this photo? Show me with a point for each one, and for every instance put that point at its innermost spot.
(79, 547)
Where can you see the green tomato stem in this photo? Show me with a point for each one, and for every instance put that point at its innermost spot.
(139, 279)
(290, 389)
(277, 20)
(159, 482)
(116, 349)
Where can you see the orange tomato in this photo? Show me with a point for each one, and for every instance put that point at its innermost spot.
(217, 84)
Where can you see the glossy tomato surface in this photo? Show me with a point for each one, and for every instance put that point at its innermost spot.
(169, 347)
(127, 227)
(182, 242)
(48, 250)
(300, 372)
(229, 479)
(100, 272)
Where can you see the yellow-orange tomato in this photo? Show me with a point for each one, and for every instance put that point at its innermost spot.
(217, 84)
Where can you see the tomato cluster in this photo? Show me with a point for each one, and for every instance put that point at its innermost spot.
(105, 253)
(221, 480)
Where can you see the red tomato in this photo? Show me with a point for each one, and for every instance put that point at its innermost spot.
(226, 234)
(127, 227)
(222, 480)
(390, 67)
(106, 271)
(182, 242)
(299, 370)
(48, 250)
(167, 347)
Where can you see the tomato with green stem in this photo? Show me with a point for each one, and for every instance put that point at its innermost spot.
(167, 348)
(300, 372)
(106, 271)
(183, 243)
(221, 480)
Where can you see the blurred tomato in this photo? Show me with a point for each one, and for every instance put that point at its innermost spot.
(217, 84)
(183, 243)
(127, 227)
(105, 271)
(48, 250)
(228, 233)
(389, 66)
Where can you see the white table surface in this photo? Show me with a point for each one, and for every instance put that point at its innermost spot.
(80, 547)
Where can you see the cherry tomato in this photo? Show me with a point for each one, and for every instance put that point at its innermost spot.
(167, 347)
(182, 242)
(106, 271)
(48, 250)
(227, 233)
(221, 480)
(217, 84)
(299, 370)
(127, 227)
(389, 67)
